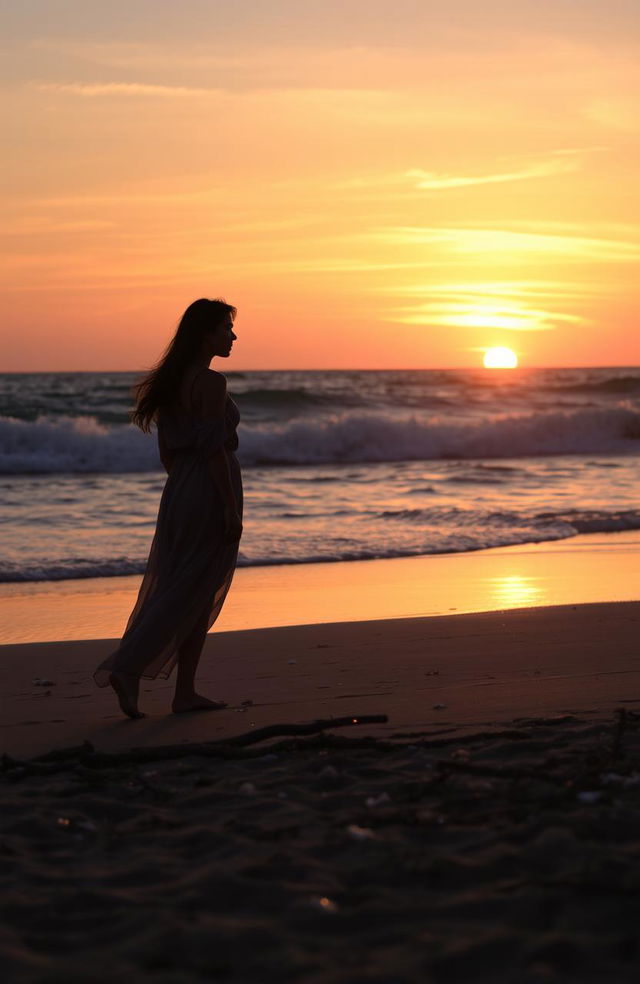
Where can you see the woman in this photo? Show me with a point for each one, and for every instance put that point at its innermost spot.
(195, 547)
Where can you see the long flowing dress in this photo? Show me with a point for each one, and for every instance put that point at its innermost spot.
(190, 565)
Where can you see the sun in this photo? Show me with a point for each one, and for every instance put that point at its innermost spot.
(500, 358)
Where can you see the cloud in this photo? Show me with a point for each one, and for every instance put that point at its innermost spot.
(540, 75)
(480, 290)
(506, 243)
(90, 89)
(507, 305)
(508, 317)
(429, 181)
(563, 161)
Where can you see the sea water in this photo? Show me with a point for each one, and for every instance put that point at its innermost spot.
(337, 465)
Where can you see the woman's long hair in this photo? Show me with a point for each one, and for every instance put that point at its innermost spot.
(158, 387)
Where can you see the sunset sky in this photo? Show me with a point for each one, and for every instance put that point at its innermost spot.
(374, 183)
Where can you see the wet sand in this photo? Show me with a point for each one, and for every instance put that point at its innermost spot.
(486, 832)
(582, 569)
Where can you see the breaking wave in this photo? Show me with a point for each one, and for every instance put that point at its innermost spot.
(82, 445)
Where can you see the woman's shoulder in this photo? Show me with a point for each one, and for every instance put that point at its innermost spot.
(210, 383)
(211, 388)
(210, 374)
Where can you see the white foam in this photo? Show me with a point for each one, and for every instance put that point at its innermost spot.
(81, 444)
(73, 445)
(358, 437)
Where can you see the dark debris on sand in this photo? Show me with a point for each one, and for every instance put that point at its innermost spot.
(507, 856)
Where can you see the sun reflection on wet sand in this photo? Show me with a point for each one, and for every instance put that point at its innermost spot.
(516, 591)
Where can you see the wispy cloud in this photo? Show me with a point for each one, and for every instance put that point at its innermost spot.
(431, 181)
(484, 314)
(480, 290)
(506, 243)
(91, 89)
(507, 305)
(555, 162)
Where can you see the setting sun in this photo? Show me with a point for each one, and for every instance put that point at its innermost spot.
(500, 358)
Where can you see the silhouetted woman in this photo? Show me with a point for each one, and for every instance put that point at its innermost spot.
(195, 547)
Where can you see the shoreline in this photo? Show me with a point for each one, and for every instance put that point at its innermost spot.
(587, 568)
(457, 672)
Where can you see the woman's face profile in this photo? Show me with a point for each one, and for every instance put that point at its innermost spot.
(222, 337)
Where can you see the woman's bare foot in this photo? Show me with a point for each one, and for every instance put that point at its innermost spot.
(196, 702)
(126, 688)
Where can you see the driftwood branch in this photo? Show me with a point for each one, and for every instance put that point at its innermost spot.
(60, 759)
(316, 735)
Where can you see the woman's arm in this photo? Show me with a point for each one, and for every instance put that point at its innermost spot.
(221, 474)
(213, 395)
(219, 464)
(165, 456)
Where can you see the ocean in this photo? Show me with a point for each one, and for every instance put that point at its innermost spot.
(337, 465)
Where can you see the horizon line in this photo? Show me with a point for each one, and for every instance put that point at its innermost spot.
(18, 372)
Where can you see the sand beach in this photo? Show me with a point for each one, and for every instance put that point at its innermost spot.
(455, 798)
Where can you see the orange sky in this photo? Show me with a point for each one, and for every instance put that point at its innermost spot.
(374, 183)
